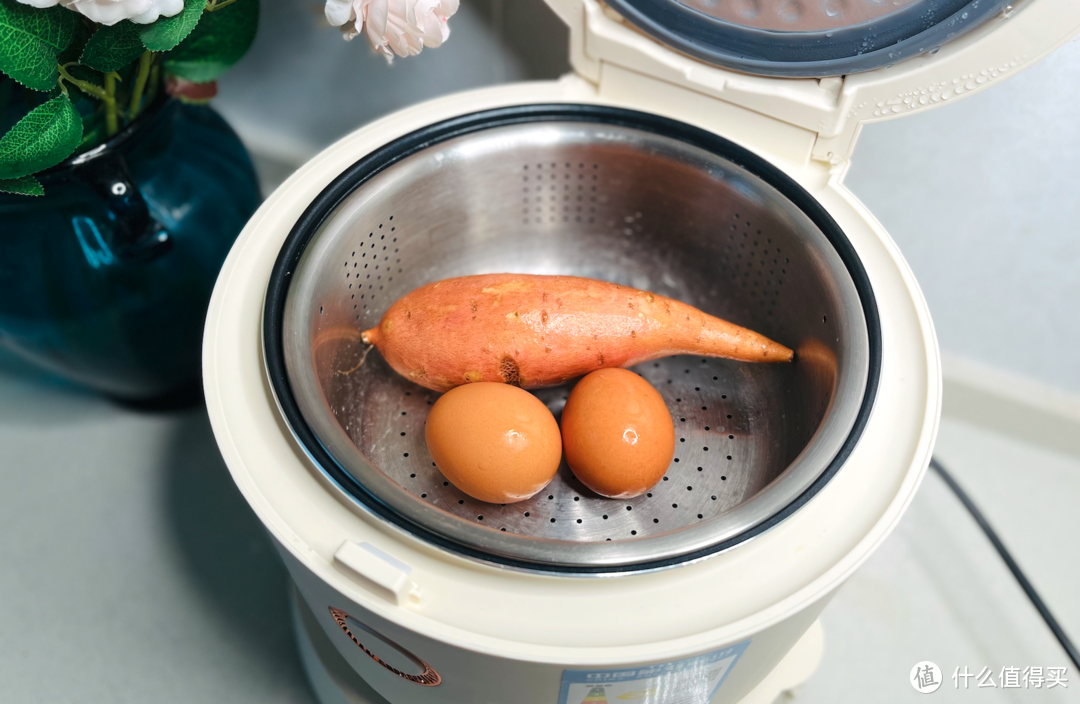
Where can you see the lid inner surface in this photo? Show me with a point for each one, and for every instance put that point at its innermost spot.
(806, 38)
(798, 15)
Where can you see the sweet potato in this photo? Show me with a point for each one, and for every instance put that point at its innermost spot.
(534, 331)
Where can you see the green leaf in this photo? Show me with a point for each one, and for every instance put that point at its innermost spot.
(112, 48)
(218, 42)
(78, 43)
(31, 38)
(167, 32)
(25, 186)
(46, 136)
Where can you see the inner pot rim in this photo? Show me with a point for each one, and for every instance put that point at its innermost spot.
(309, 223)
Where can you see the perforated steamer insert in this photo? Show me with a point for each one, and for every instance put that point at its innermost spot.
(602, 193)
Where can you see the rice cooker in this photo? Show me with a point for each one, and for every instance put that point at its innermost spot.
(697, 150)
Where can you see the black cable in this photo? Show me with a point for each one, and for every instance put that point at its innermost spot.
(1055, 627)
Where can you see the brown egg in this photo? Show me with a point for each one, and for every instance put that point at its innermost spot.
(495, 442)
(618, 435)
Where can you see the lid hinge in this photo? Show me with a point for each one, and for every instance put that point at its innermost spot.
(614, 54)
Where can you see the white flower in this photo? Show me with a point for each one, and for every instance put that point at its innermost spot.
(403, 27)
(109, 12)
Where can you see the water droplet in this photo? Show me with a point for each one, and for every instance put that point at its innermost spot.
(748, 9)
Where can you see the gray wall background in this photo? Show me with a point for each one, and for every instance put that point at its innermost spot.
(981, 195)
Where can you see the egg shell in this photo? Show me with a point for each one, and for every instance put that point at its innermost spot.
(618, 434)
(495, 442)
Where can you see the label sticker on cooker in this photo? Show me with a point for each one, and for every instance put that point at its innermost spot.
(691, 681)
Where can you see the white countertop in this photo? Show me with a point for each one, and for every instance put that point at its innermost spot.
(131, 570)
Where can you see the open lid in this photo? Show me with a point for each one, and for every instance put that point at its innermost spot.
(825, 66)
(806, 38)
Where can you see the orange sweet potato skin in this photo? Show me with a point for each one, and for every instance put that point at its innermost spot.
(534, 331)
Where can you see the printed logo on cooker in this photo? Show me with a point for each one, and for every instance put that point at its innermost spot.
(347, 623)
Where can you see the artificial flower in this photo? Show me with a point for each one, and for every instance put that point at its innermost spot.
(109, 12)
(402, 27)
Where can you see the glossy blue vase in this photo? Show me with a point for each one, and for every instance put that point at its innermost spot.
(106, 279)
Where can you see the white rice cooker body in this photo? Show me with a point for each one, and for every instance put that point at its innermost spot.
(420, 623)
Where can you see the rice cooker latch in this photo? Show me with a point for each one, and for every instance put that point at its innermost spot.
(797, 79)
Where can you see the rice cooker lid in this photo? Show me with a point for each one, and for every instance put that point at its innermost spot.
(806, 38)
(825, 67)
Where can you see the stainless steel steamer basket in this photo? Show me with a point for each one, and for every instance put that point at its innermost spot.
(587, 191)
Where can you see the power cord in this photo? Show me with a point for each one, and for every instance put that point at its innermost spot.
(1055, 627)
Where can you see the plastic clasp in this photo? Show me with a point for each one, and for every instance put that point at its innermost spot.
(380, 572)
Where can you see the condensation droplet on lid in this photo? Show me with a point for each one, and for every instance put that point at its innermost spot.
(748, 9)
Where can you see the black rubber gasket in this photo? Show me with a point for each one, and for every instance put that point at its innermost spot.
(910, 31)
(364, 169)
